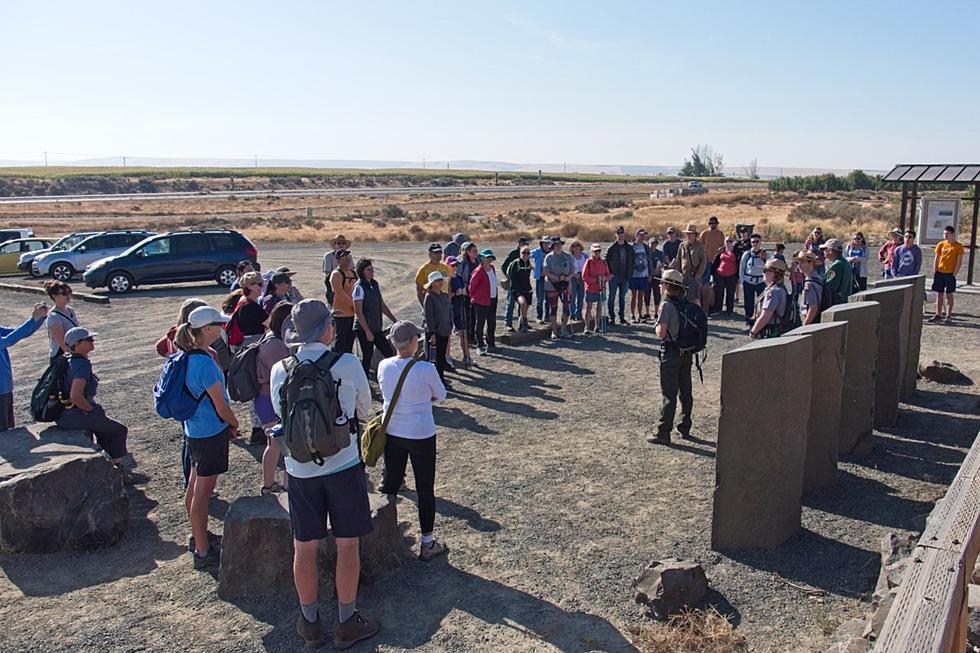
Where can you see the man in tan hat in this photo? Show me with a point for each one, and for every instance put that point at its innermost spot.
(812, 286)
(692, 260)
(675, 365)
(772, 316)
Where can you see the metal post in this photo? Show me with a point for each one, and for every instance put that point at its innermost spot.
(905, 205)
(973, 233)
(915, 202)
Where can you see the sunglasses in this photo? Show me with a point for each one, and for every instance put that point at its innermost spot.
(87, 340)
(756, 242)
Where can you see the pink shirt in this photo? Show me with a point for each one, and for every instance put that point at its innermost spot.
(593, 270)
(727, 264)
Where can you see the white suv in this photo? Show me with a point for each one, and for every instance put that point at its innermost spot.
(63, 265)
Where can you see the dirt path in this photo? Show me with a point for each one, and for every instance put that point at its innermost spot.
(549, 498)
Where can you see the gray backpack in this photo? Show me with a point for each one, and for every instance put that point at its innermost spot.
(314, 426)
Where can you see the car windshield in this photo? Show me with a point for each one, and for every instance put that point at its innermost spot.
(68, 242)
(136, 246)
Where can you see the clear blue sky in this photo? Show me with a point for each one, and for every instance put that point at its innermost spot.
(828, 84)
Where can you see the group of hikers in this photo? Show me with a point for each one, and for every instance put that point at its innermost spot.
(291, 360)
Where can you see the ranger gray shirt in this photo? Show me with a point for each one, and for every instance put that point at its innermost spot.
(812, 290)
(670, 317)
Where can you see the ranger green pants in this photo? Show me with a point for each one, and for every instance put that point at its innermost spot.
(675, 376)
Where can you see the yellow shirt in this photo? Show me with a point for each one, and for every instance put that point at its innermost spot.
(422, 276)
(947, 256)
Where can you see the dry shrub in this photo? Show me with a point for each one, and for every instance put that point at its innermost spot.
(694, 631)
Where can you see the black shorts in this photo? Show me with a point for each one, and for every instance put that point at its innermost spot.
(528, 295)
(209, 456)
(342, 498)
(944, 282)
(461, 312)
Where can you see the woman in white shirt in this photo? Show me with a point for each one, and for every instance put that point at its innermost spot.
(412, 427)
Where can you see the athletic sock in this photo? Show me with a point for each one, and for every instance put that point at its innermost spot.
(346, 610)
(309, 611)
(427, 540)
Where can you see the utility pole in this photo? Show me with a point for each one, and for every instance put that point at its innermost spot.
(45, 159)
(423, 163)
(256, 160)
(564, 167)
(124, 161)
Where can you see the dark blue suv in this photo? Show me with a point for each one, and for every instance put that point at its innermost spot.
(173, 258)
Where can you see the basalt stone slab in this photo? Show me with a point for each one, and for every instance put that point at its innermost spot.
(918, 284)
(761, 452)
(889, 377)
(257, 546)
(57, 492)
(860, 368)
(827, 382)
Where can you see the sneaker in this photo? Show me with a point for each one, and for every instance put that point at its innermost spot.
(586, 332)
(656, 439)
(354, 630)
(257, 436)
(312, 634)
(936, 318)
(214, 541)
(481, 351)
(209, 560)
(427, 553)
(510, 328)
(554, 335)
(449, 365)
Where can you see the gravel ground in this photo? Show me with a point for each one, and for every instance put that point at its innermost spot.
(549, 498)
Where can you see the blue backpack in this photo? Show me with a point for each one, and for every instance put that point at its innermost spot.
(171, 396)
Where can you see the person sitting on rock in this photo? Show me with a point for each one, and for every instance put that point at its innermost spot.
(8, 338)
(83, 412)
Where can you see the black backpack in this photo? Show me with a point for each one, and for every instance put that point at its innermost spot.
(51, 393)
(243, 380)
(314, 426)
(826, 294)
(692, 337)
(787, 321)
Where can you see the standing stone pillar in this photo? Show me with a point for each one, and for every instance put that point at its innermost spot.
(918, 283)
(860, 365)
(827, 383)
(889, 377)
(765, 403)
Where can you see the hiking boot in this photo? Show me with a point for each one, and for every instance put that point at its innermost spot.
(449, 365)
(214, 541)
(936, 318)
(209, 560)
(427, 553)
(656, 439)
(312, 634)
(524, 328)
(257, 436)
(481, 351)
(354, 630)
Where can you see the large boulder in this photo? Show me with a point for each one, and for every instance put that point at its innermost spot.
(940, 372)
(257, 545)
(848, 638)
(58, 492)
(669, 586)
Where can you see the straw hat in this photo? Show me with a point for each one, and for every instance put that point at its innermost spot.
(806, 255)
(691, 229)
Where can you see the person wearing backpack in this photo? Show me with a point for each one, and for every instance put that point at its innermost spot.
(61, 317)
(774, 305)
(208, 430)
(411, 429)
(751, 272)
(83, 412)
(342, 282)
(8, 338)
(675, 361)
(332, 486)
(272, 349)
(811, 304)
(246, 326)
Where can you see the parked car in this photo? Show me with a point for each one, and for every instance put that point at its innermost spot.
(14, 234)
(11, 251)
(172, 258)
(695, 184)
(64, 265)
(65, 243)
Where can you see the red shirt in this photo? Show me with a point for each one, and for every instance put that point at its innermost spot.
(727, 264)
(593, 270)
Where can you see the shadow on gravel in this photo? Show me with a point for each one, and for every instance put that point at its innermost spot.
(950, 401)
(190, 290)
(871, 501)
(816, 561)
(136, 554)
(540, 359)
(448, 508)
(503, 405)
(455, 418)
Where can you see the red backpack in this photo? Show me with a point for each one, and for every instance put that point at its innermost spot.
(235, 335)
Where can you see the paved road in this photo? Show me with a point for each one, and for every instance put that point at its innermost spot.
(349, 192)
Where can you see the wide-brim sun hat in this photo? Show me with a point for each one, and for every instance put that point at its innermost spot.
(806, 255)
(306, 322)
(433, 278)
(691, 229)
(833, 244)
(776, 264)
(674, 278)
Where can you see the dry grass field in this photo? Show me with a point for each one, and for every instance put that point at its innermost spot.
(589, 213)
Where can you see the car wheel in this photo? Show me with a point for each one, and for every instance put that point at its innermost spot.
(30, 269)
(62, 271)
(119, 283)
(225, 276)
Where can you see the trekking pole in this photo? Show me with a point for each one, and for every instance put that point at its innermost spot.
(600, 315)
